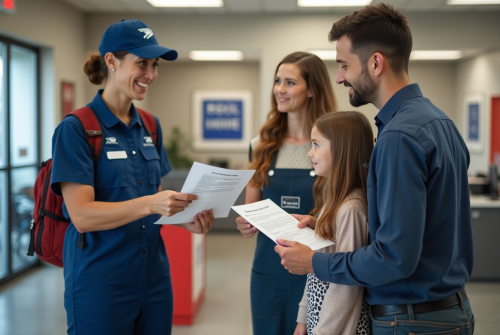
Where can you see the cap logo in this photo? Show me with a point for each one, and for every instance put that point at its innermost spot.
(147, 32)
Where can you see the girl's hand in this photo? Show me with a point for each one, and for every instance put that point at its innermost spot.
(169, 202)
(203, 222)
(245, 228)
(305, 220)
(301, 329)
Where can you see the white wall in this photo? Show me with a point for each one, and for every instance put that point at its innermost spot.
(59, 30)
(436, 80)
(479, 74)
(170, 97)
(275, 36)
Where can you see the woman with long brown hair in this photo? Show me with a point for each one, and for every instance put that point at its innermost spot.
(302, 93)
(342, 144)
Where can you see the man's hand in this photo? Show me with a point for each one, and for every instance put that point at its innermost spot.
(295, 257)
(305, 220)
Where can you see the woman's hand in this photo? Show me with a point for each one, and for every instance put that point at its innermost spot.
(203, 222)
(169, 202)
(301, 329)
(305, 220)
(245, 228)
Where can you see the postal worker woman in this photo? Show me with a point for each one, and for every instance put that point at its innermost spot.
(118, 281)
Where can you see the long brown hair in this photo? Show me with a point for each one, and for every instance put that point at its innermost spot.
(351, 142)
(315, 74)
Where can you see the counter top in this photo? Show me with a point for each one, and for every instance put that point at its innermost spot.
(481, 201)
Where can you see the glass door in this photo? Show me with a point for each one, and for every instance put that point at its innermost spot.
(19, 153)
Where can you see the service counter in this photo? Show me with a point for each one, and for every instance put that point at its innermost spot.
(485, 214)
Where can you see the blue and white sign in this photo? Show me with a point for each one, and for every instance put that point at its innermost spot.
(473, 121)
(222, 120)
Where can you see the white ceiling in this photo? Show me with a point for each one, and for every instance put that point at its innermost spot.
(263, 6)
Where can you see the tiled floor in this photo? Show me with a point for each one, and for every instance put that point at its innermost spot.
(33, 304)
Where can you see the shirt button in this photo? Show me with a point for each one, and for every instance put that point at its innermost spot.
(143, 227)
(143, 282)
(133, 152)
(140, 182)
(144, 251)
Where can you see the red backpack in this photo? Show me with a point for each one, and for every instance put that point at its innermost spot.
(49, 225)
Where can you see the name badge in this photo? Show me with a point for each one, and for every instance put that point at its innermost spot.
(117, 154)
(290, 202)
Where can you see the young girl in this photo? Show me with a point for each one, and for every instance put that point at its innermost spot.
(342, 144)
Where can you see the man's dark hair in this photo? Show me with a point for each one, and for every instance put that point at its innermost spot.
(377, 28)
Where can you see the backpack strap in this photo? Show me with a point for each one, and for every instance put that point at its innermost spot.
(93, 137)
(149, 122)
(93, 131)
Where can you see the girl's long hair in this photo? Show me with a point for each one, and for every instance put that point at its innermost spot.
(351, 141)
(315, 74)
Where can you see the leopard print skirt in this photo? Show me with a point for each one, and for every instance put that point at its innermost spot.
(316, 291)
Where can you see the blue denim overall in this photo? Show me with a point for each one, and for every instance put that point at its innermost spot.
(275, 293)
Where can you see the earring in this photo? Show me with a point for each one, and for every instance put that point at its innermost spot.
(113, 70)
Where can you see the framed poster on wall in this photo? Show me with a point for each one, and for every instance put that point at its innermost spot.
(221, 120)
(67, 97)
(473, 112)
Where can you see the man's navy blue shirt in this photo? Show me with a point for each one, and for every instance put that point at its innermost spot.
(418, 209)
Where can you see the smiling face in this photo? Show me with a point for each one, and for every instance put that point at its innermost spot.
(290, 89)
(134, 74)
(320, 153)
(355, 75)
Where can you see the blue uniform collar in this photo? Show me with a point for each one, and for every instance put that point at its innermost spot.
(390, 108)
(107, 117)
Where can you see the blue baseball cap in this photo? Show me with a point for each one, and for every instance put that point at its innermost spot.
(135, 37)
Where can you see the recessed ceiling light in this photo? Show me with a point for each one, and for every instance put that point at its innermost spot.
(216, 55)
(325, 54)
(435, 54)
(332, 3)
(186, 3)
(473, 2)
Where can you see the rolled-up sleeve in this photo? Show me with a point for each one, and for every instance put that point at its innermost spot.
(71, 156)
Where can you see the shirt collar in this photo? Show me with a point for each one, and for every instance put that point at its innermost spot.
(107, 117)
(387, 112)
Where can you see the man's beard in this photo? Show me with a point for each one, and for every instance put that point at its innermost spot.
(365, 89)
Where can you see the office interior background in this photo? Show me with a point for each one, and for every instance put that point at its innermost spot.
(44, 43)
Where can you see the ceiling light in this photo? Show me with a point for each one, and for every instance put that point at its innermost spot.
(325, 54)
(332, 3)
(186, 3)
(473, 2)
(216, 55)
(435, 54)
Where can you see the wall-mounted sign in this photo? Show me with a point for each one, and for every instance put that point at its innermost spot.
(67, 98)
(222, 120)
(473, 111)
(7, 6)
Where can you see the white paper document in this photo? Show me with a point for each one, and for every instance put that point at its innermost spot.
(274, 222)
(217, 189)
